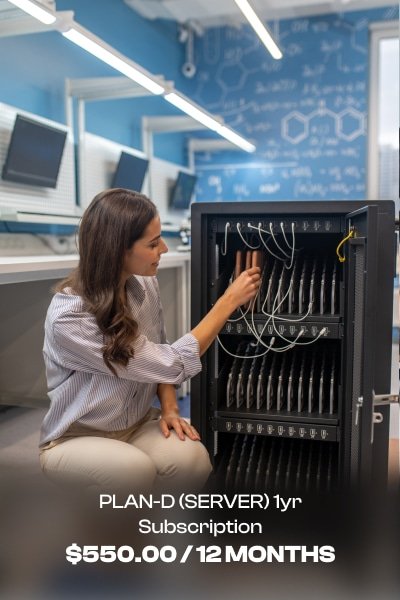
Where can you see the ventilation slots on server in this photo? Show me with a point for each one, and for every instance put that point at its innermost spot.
(286, 396)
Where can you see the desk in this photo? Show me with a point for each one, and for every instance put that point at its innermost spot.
(18, 269)
(22, 269)
(25, 293)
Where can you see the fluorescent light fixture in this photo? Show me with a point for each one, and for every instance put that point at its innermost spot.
(259, 28)
(101, 50)
(208, 121)
(236, 139)
(33, 9)
(193, 111)
(111, 57)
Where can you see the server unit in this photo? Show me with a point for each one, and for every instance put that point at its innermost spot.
(289, 392)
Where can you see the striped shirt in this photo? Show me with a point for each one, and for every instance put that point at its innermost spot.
(82, 389)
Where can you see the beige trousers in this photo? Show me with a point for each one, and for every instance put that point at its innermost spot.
(139, 460)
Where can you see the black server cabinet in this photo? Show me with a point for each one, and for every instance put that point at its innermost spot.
(300, 414)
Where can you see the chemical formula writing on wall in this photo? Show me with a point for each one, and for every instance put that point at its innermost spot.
(308, 109)
(347, 125)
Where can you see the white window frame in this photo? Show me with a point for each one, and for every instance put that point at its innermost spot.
(378, 32)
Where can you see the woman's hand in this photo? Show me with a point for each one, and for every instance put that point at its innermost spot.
(244, 288)
(240, 292)
(172, 420)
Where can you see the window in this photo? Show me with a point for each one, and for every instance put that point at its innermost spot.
(383, 130)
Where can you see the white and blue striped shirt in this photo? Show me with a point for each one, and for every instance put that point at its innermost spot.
(83, 390)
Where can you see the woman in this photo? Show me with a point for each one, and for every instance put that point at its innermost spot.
(107, 357)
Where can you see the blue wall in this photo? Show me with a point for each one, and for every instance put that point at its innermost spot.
(33, 69)
(307, 113)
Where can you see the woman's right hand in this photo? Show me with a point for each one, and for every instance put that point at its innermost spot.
(241, 291)
(244, 288)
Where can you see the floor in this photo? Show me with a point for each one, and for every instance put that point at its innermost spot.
(19, 436)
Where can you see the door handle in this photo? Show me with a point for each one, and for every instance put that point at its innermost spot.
(384, 399)
(381, 400)
(377, 400)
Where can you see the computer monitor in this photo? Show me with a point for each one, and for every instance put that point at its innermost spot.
(34, 153)
(182, 191)
(130, 172)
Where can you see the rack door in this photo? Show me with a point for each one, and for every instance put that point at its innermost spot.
(361, 317)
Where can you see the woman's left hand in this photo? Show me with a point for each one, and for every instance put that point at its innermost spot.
(171, 420)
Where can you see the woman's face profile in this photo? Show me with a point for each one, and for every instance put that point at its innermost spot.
(144, 255)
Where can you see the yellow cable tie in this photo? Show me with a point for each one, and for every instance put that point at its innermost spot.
(344, 240)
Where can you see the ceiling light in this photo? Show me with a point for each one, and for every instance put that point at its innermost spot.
(193, 111)
(259, 28)
(100, 49)
(95, 46)
(33, 9)
(209, 121)
(236, 139)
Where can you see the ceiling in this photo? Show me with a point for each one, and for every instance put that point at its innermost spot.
(211, 13)
(215, 13)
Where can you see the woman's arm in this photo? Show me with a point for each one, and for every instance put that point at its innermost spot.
(75, 340)
(243, 289)
(170, 418)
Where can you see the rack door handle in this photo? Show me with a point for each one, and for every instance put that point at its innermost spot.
(377, 400)
(384, 399)
(381, 400)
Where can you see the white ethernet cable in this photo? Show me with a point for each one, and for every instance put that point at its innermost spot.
(271, 231)
(285, 238)
(253, 331)
(321, 333)
(243, 240)
(265, 243)
(279, 318)
(273, 316)
(227, 226)
(253, 356)
(253, 328)
(291, 247)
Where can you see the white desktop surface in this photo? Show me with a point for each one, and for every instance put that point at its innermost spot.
(17, 269)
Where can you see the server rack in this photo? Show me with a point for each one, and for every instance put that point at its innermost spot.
(304, 417)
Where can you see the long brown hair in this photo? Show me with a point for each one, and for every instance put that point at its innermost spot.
(114, 220)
